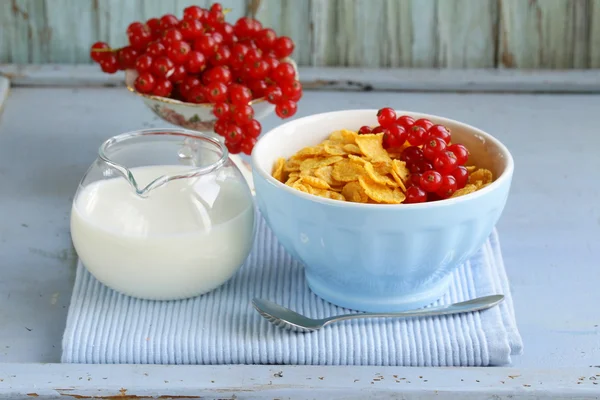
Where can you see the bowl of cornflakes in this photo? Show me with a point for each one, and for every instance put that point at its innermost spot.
(380, 207)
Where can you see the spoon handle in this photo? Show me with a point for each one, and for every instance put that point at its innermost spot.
(477, 304)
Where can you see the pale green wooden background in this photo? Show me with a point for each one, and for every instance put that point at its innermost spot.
(370, 33)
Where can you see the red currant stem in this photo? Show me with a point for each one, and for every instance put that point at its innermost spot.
(227, 10)
(107, 50)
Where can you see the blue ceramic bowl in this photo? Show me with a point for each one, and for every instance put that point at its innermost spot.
(374, 257)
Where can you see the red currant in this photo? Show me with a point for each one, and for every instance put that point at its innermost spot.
(221, 110)
(221, 56)
(134, 28)
(172, 35)
(377, 129)
(179, 52)
(144, 83)
(156, 49)
(206, 45)
(461, 174)
(247, 145)
(283, 47)
(252, 55)
(284, 72)
(244, 27)
(420, 166)
(162, 67)
(234, 134)
(242, 115)
(253, 129)
(448, 187)
(216, 7)
(179, 74)
(217, 74)
(433, 147)
(127, 56)
(196, 62)
(154, 25)
(259, 69)
(139, 35)
(424, 123)
(412, 154)
(292, 90)
(445, 162)
(221, 126)
(162, 88)
(265, 39)
(239, 95)
(234, 148)
(197, 95)
(188, 83)
(431, 181)
(439, 131)
(273, 62)
(238, 54)
(364, 130)
(143, 63)
(461, 153)
(109, 63)
(394, 136)
(286, 109)
(417, 135)
(258, 88)
(98, 55)
(415, 179)
(168, 21)
(406, 121)
(273, 94)
(190, 29)
(415, 194)
(216, 92)
(386, 117)
(226, 30)
(194, 12)
(215, 18)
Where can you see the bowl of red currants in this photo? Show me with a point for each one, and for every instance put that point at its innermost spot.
(203, 73)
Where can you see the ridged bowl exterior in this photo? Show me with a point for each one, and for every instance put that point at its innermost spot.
(373, 257)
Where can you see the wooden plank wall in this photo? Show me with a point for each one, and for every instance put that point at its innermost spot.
(538, 34)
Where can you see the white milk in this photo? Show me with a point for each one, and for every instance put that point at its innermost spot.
(186, 238)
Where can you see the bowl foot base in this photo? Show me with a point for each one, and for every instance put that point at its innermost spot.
(400, 302)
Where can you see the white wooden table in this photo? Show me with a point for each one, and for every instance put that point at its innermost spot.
(55, 118)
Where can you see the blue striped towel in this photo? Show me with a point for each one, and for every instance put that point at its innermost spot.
(222, 327)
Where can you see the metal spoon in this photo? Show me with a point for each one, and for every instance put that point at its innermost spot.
(285, 318)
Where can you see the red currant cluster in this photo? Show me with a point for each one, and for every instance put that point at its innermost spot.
(437, 166)
(204, 59)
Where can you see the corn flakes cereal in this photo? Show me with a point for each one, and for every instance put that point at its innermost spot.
(314, 163)
(469, 188)
(315, 182)
(352, 191)
(278, 169)
(371, 145)
(381, 193)
(347, 171)
(351, 148)
(377, 177)
(481, 177)
(357, 168)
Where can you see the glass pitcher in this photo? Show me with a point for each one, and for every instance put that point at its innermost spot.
(163, 214)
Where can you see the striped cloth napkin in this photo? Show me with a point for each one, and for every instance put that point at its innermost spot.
(221, 327)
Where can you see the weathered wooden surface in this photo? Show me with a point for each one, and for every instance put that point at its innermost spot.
(351, 79)
(361, 33)
(55, 381)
